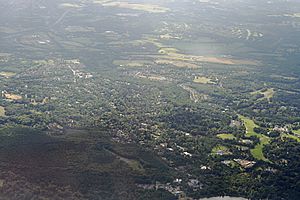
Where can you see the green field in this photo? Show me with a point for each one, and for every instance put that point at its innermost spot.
(203, 80)
(257, 152)
(220, 149)
(291, 137)
(297, 131)
(225, 136)
(268, 93)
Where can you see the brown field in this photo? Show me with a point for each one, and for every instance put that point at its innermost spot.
(2, 111)
(12, 96)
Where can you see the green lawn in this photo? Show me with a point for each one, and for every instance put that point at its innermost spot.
(297, 131)
(257, 152)
(225, 136)
(220, 148)
(203, 80)
(250, 125)
(290, 136)
(268, 93)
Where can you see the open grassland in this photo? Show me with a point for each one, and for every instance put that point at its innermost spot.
(205, 59)
(2, 111)
(220, 150)
(268, 93)
(170, 53)
(297, 131)
(76, 29)
(152, 77)
(12, 96)
(133, 164)
(203, 80)
(7, 30)
(257, 152)
(283, 136)
(250, 125)
(291, 78)
(168, 37)
(7, 74)
(70, 5)
(167, 50)
(225, 136)
(176, 63)
(131, 63)
(294, 15)
(151, 8)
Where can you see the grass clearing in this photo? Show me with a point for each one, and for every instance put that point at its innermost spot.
(268, 93)
(176, 63)
(76, 29)
(203, 80)
(220, 150)
(133, 164)
(208, 59)
(294, 137)
(12, 96)
(225, 136)
(7, 74)
(7, 30)
(297, 131)
(167, 50)
(250, 125)
(2, 111)
(132, 63)
(170, 53)
(168, 37)
(294, 15)
(291, 78)
(70, 5)
(152, 77)
(151, 8)
(257, 152)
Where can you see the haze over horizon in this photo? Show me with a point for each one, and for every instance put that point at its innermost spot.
(149, 99)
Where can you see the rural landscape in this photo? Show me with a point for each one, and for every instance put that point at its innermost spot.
(149, 99)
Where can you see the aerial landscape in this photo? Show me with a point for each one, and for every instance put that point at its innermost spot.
(149, 99)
